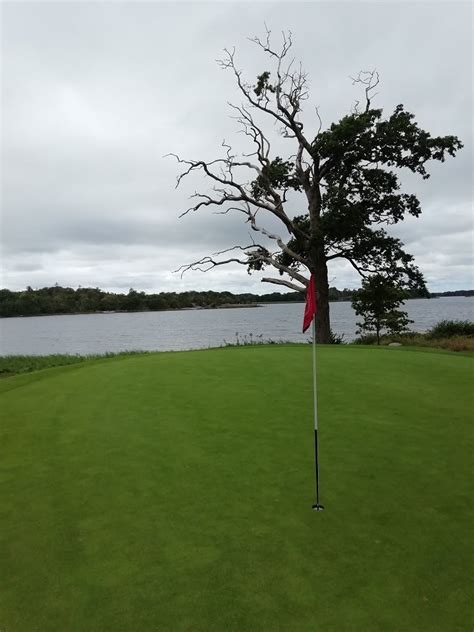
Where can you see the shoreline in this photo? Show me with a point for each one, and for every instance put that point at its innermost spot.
(141, 311)
(200, 308)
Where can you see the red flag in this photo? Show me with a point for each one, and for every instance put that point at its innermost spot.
(310, 307)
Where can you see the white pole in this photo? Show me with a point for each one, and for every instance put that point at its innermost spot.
(315, 389)
(317, 506)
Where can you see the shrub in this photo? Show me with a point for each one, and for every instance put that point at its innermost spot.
(336, 339)
(450, 328)
(366, 339)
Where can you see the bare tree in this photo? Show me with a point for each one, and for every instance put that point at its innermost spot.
(348, 192)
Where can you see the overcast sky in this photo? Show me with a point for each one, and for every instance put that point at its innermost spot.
(95, 94)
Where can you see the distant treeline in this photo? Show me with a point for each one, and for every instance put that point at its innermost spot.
(452, 293)
(84, 300)
(65, 300)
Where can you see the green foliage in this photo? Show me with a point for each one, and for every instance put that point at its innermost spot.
(364, 154)
(263, 84)
(377, 302)
(336, 339)
(450, 328)
(360, 159)
(279, 175)
(254, 259)
(366, 339)
(395, 142)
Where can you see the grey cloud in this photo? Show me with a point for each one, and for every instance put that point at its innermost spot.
(95, 93)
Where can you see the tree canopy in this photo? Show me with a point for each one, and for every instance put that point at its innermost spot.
(346, 176)
(378, 302)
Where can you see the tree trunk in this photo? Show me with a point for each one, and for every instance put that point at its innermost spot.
(323, 325)
(319, 268)
(320, 271)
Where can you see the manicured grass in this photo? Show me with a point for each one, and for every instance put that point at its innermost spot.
(173, 492)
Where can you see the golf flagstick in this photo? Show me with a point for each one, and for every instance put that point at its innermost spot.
(317, 506)
(309, 317)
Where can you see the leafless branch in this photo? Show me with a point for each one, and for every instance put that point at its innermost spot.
(251, 218)
(278, 95)
(231, 191)
(370, 79)
(284, 282)
(209, 262)
(254, 253)
(347, 255)
(266, 45)
(320, 121)
(289, 90)
(283, 246)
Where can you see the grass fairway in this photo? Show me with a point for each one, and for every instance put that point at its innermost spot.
(173, 492)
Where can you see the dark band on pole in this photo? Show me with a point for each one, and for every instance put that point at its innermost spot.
(317, 506)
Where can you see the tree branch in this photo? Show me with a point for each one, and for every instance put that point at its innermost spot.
(210, 263)
(284, 282)
(281, 114)
(370, 79)
(284, 247)
(240, 195)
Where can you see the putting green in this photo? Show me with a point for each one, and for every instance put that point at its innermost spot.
(173, 492)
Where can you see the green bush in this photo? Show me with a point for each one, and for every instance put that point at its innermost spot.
(450, 328)
(366, 339)
(336, 339)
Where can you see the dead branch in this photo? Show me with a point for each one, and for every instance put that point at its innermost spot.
(286, 283)
(289, 90)
(370, 79)
(254, 253)
(209, 262)
(283, 246)
(231, 191)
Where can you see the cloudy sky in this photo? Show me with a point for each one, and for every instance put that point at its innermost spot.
(94, 94)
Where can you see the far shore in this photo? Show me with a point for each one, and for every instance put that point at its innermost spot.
(141, 311)
(203, 307)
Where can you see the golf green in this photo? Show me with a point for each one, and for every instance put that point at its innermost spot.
(173, 491)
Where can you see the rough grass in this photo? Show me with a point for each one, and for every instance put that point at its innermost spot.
(452, 343)
(14, 364)
(413, 339)
(173, 492)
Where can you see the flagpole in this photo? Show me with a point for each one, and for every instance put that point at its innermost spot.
(310, 316)
(317, 506)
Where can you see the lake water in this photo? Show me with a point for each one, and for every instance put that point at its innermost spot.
(195, 329)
